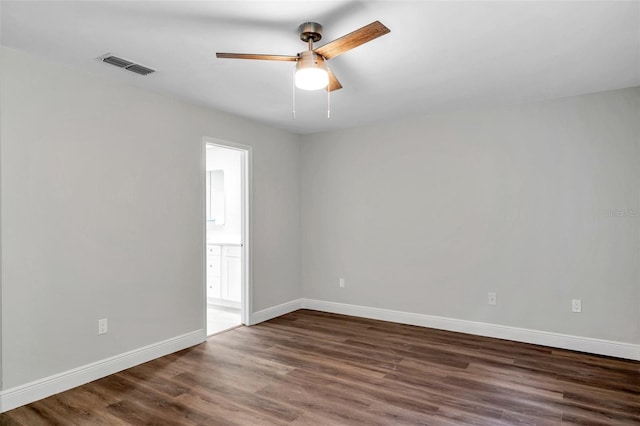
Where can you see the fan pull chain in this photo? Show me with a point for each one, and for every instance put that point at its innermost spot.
(293, 85)
(328, 103)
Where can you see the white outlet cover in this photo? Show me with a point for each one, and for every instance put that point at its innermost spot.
(576, 305)
(102, 326)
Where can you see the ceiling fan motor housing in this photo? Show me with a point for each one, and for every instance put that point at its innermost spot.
(310, 31)
(309, 59)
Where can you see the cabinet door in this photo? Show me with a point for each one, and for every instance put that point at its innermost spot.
(231, 289)
(231, 273)
(213, 277)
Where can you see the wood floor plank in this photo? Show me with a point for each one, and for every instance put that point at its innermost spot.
(78, 408)
(222, 410)
(316, 368)
(10, 421)
(233, 391)
(453, 416)
(391, 394)
(134, 413)
(308, 400)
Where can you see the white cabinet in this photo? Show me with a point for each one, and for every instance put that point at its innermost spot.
(224, 273)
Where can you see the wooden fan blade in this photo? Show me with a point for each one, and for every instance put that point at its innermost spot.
(257, 56)
(334, 84)
(352, 40)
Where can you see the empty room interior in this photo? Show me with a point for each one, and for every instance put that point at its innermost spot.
(319, 212)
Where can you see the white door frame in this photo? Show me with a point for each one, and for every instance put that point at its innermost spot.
(246, 168)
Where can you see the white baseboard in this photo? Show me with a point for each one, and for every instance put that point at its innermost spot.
(545, 338)
(275, 311)
(34, 391)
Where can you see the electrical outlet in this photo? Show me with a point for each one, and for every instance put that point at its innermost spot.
(492, 299)
(576, 305)
(341, 283)
(102, 326)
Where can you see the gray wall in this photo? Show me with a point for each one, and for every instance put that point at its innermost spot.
(102, 216)
(538, 203)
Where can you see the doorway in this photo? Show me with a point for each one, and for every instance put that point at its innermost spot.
(226, 217)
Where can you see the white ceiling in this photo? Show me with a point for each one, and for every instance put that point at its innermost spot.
(439, 56)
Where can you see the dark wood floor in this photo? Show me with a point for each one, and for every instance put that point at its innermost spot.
(312, 368)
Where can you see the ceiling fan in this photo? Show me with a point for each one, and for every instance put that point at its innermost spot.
(312, 72)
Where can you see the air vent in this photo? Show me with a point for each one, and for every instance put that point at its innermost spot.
(125, 64)
(139, 69)
(118, 62)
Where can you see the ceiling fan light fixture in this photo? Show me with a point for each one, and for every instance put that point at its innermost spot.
(311, 72)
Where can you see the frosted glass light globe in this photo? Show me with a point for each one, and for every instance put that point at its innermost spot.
(311, 72)
(311, 78)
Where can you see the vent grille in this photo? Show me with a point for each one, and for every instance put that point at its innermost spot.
(126, 64)
(139, 69)
(118, 62)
